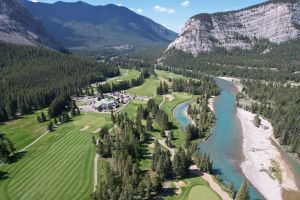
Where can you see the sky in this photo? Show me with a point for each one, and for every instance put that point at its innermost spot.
(172, 13)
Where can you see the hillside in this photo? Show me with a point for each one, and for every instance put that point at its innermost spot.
(94, 28)
(18, 26)
(32, 77)
(273, 21)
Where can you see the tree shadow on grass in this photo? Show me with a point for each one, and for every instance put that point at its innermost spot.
(17, 156)
(3, 175)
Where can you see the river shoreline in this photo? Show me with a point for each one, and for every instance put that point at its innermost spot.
(259, 151)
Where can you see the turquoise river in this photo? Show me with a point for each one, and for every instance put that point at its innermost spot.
(225, 144)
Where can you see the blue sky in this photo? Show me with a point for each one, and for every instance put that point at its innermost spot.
(172, 13)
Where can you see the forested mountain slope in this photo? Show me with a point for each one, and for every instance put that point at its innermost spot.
(18, 26)
(280, 64)
(32, 77)
(93, 28)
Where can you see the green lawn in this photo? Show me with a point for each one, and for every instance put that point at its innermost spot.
(24, 131)
(131, 108)
(202, 192)
(146, 89)
(166, 75)
(196, 188)
(169, 106)
(126, 75)
(59, 166)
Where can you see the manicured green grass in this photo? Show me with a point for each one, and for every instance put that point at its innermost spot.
(126, 75)
(196, 188)
(25, 130)
(59, 166)
(148, 88)
(202, 192)
(168, 107)
(166, 75)
(132, 107)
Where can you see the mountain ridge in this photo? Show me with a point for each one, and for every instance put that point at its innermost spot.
(18, 26)
(275, 21)
(88, 27)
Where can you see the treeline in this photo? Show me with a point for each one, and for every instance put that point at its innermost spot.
(280, 104)
(195, 87)
(265, 61)
(121, 152)
(6, 149)
(129, 62)
(122, 178)
(124, 85)
(162, 89)
(206, 84)
(203, 120)
(32, 77)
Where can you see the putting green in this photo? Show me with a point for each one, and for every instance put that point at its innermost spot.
(202, 192)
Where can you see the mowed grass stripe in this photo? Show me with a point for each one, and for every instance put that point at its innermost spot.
(71, 170)
(68, 193)
(43, 170)
(70, 148)
(45, 176)
(40, 158)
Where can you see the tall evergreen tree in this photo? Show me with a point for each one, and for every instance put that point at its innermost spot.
(243, 193)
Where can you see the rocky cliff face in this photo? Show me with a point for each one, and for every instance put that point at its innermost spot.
(276, 21)
(18, 26)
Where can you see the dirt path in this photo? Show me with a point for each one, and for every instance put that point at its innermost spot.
(34, 142)
(95, 171)
(164, 99)
(172, 150)
(224, 195)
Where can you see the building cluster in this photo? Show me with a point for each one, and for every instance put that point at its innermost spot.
(104, 103)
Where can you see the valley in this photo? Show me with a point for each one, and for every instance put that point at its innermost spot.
(111, 101)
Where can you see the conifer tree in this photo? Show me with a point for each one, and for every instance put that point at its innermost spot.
(149, 123)
(55, 121)
(50, 126)
(43, 117)
(38, 119)
(242, 194)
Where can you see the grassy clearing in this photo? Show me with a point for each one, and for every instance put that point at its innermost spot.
(196, 188)
(25, 130)
(59, 166)
(202, 192)
(166, 75)
(146, 89)
(126, 75)
(276, 171)
(169, 106)
(131, 108)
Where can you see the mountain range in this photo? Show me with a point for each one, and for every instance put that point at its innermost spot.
(18, 26)
(83, 27)
(275, 22)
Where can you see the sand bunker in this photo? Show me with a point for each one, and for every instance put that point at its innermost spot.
(178, 186)
(170, 97)
(85, 128)
(97, 131)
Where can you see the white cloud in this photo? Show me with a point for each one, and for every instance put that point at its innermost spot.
(162, 9)
(119, 4)
(138, 10)
(185, 4)
(34, 1)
